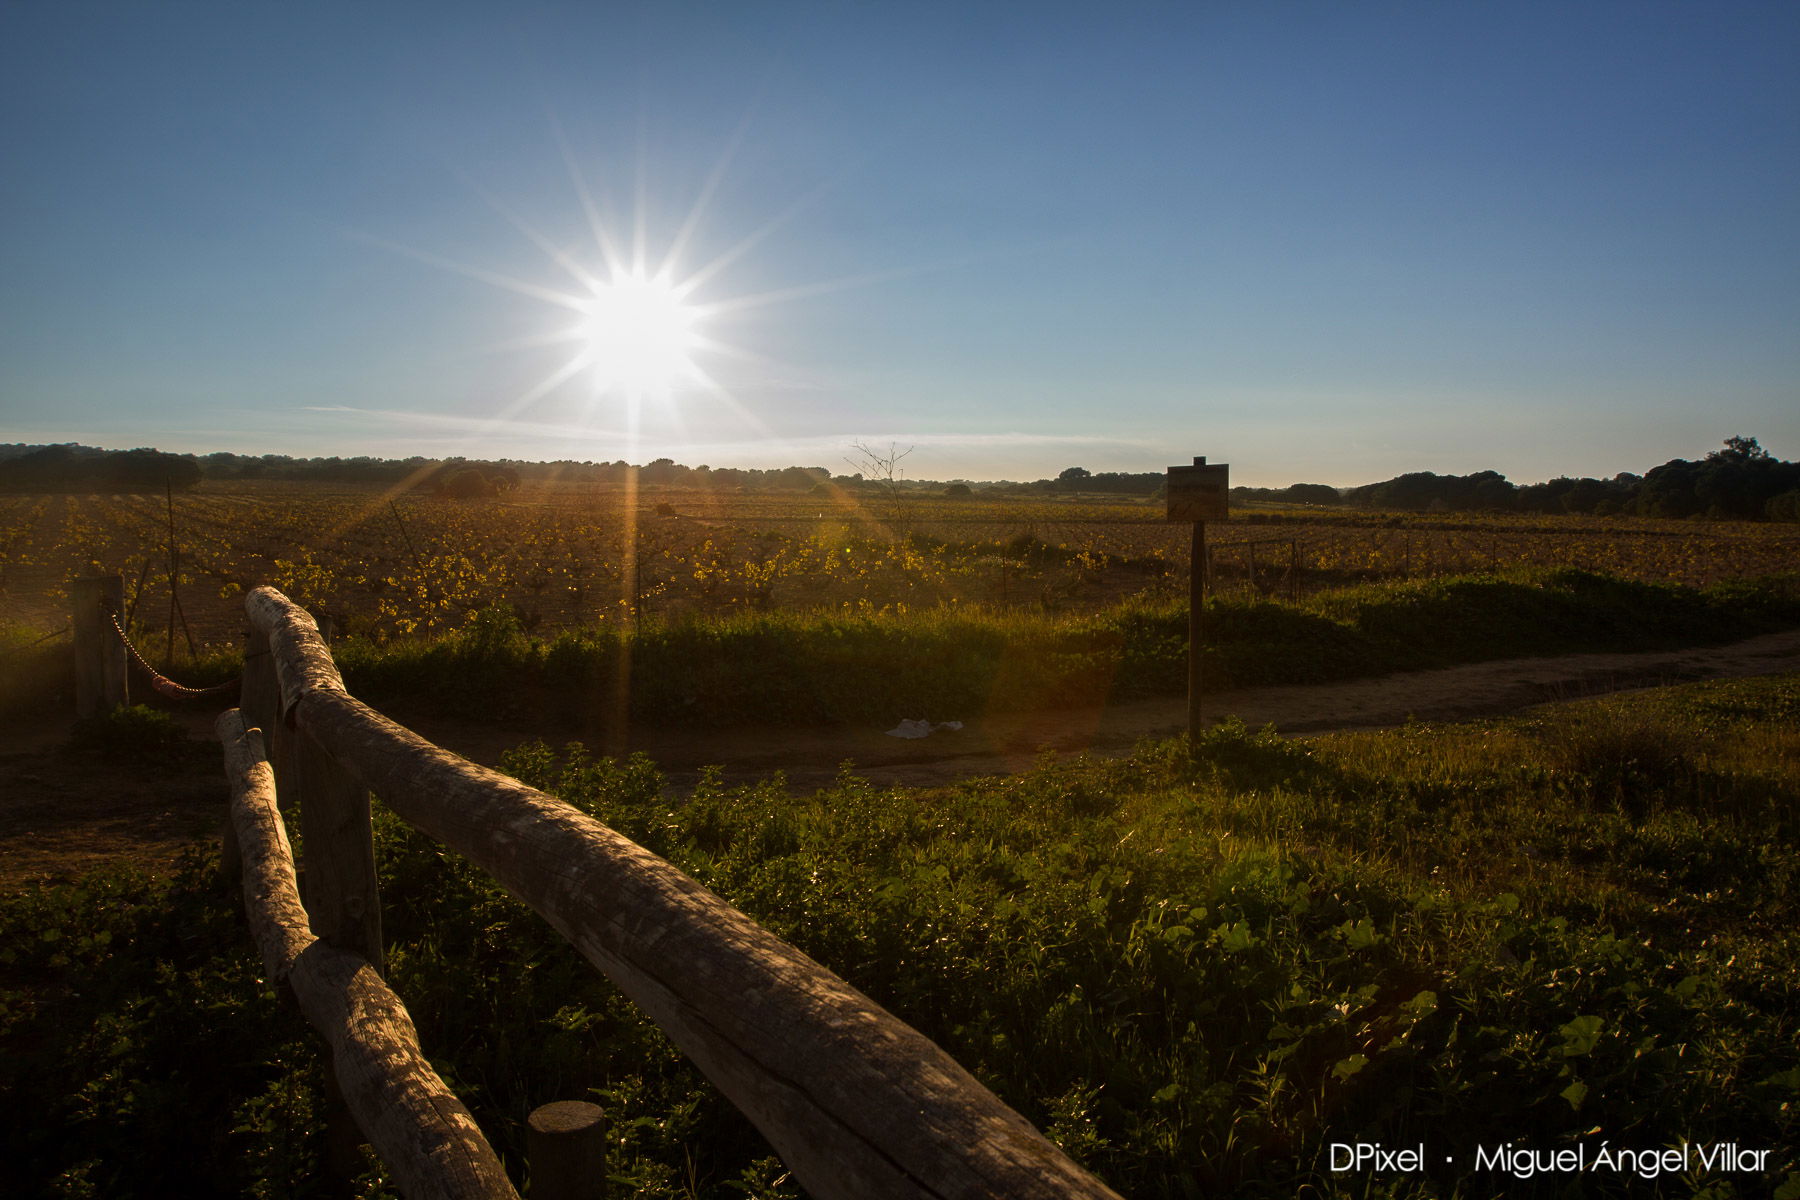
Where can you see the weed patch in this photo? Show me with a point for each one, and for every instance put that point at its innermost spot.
(1195, 968)
(813, 669)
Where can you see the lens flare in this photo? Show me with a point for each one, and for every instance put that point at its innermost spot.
(638, 335)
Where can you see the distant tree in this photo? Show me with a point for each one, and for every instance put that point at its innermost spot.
(1426, 491)
(1587, 495)
(958, 491)
(1740, 449)
(884, 470)
(1740, 480)
(1489, 491)
(467, 483)
(1414, 492)
(1546, 497)
(1071, 478)
(1127, 483)
(1668, 490)
(1311, 493)
(1737, 481)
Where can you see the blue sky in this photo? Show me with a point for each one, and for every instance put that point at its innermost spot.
(1323, 242)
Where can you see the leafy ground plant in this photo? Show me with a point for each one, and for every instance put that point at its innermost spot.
(1196, 970)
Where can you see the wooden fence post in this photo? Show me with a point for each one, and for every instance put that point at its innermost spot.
(259, 694)
(1200, 563)
(337, 846)
(421, 1131)
(565, 1151)
(259, 699)
(337, 887)
(100, 684)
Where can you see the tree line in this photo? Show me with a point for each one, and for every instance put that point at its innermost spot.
(1740, 480)
(76, 468)
(72, 468)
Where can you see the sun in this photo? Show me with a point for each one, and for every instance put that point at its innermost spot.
(639, 350)
(637, 333)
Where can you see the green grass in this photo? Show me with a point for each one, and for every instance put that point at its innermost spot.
(37, 673)
(1195, 972)
(812, 669)
(815, 669)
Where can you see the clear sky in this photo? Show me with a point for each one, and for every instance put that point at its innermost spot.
(1322, 242)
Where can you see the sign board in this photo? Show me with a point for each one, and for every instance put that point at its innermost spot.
(1197, 493)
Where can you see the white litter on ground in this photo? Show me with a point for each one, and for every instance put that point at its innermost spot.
(919, 729)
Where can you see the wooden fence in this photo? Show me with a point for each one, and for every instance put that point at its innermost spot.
(859, 1105)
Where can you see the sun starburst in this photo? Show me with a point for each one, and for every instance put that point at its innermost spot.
(638, 334)
(638, 360)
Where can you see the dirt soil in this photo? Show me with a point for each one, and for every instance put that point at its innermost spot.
(63, 812)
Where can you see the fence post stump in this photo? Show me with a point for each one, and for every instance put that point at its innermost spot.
(565, 1151)
(1200, 562)
(259, 694)
(258, 700)
(337, 888)
(100, 684)
(343, 901)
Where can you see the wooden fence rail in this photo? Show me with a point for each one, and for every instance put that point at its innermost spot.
(423, 1133)
(859, 1105)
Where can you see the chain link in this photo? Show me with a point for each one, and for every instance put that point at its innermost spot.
(162, 683)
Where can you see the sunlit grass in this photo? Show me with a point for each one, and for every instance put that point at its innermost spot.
(778, 666)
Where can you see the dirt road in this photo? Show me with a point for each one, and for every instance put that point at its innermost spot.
(1005, 742)
(61, 812)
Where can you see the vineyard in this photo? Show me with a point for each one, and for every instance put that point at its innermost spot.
(388, 565)
(1195, 968)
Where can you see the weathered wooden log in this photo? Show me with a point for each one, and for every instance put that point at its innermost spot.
(422, 1132)
(302, 663)
(858, 1104)
(341, 895)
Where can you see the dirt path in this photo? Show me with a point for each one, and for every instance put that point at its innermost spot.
(62, 812)
(1007, 742)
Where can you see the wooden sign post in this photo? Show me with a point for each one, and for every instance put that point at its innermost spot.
(1197, 494)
